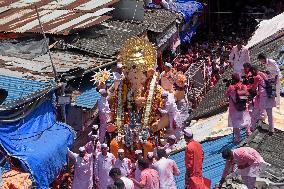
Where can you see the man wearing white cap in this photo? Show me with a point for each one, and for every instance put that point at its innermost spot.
(167, 78)
(104, 164)
(169, 107)
(118, 76)
(194, 157)
(104, 112)
(123, 163)
(83, 176)
(169, 147)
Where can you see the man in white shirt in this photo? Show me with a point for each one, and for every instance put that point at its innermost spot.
(115, 174)
(167, 169)
(170, 108)
(274, 72)
(83, 176)
(238, 56)
(104, 164)
(123, 163)
(167, 78)
(104, 112)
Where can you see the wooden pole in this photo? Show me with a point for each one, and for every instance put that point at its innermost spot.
(48, 51)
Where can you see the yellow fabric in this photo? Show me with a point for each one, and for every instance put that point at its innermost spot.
(16, 180)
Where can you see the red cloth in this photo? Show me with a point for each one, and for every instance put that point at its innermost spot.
(157, 2)
(194, 157)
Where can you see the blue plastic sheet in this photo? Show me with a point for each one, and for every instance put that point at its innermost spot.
(188, 8)
(186, 36)
(39, 142)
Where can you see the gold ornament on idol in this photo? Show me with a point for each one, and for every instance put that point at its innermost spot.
(139, 54)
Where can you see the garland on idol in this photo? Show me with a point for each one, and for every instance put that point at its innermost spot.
(119, 109)
(149, 102)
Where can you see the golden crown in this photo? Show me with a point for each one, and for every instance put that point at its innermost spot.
(138, 53)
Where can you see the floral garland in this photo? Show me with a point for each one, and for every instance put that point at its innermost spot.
(119, 109)
(149, 102)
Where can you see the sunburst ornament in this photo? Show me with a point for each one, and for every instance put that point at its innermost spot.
(138, 53)
(101, 76)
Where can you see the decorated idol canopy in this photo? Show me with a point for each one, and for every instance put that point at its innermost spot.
(138, 103)
(135, 104)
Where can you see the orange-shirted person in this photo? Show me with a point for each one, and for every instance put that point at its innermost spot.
(148, 147)
(113, 147)
(114, 143)
(194, 157)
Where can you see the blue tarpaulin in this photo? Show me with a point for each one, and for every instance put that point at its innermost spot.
(188, 9)
(39, 142)
(185, 36)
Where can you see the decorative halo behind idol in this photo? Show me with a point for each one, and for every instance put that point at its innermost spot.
(101, 76)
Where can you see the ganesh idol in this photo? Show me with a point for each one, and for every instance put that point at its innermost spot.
(137, 103)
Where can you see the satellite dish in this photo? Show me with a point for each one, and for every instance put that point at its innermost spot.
(3, 95)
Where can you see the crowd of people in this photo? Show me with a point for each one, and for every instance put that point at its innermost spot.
(211, 57)
(250, 92)
(96, 167)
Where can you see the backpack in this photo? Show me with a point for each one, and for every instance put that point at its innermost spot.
(241, 100)
(270, 87)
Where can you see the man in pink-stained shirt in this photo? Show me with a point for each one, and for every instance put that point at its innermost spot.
(249, 162)
(167, 169)
(149, 177)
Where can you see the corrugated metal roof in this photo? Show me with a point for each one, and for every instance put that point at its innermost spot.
(271, 149)
(41, 66)
(158, 20)
(212, 103)
(19, 88)
(88, 98)
(213, 164)
(57, 17)
(109, 39)
(88, 93)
